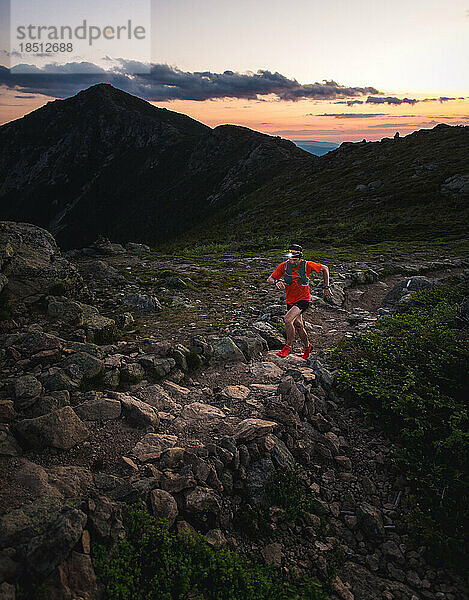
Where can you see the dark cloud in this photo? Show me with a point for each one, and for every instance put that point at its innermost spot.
(349, 102)
(390, 100)
(349, 115)
(165, 82)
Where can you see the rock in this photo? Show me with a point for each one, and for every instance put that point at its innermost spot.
(266, 370)
(280, 454)
(60, 429)
(197, 411)
(7, 410)
(102, 271)
(407, 286)
(137, 247)
(124, 320)
(100, 329)
(289, 393)
(274, 339)
(104, 409)
(344, 462)
(250, 429)
(8, 444)
(259, 473)
(47, 551)
(370, 521)
(105, 247)
(456, 184)
(152, 444)
(225, 350)
(215, 537)
(7, 591)
(81, 366)
(155, 365)
(59, 481)
(249, 342)
(273, 554)
(163, 505)
(138, 412)
(27, 390)
(203, 505)
(236, 392)
(32, 263)
(73, 579)
(143, 302)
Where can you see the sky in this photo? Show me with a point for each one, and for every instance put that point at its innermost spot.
(331, 71)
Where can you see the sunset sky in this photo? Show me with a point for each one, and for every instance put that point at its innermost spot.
(330, 70)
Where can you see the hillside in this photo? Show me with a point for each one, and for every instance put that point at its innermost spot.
(105, 162)
(130, 378)
(414, 188)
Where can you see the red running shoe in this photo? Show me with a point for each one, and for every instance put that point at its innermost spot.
(284, 352)
(307, 352)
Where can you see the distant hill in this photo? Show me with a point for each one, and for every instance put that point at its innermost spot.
(315, 147)
(104, 162)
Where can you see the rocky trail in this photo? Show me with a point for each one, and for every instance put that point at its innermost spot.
(192, 411)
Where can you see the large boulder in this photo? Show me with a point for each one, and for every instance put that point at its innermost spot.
(59, 429)
(225, 350)
(101, 329)
(405, 287)
(50, 549)
(31, 260)
(271, 335)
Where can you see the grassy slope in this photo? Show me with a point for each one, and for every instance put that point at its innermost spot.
(317, 204)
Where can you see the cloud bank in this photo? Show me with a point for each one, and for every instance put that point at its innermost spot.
(165, 83)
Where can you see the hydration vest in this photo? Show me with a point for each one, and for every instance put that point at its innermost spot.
(302, 279)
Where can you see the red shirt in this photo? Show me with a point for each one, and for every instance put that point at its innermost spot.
(295, 291)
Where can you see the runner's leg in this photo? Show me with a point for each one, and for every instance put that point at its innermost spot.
(301, 331)
(289, 327)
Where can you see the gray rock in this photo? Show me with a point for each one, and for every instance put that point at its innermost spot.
(60, 429)
(457, 184)
(47, 551)
(203, 505)
(249, 342)
(27, 390)
(143, 302)
(138, 412)
(407, 286)
(258, 475)
(225, 350)
(274, 339)
(104, 409)
(250, 429)
(31, 261)
(102, 271)
(8, 444)
(164, 506)
(137, 248)
(370, 521)
(81, 366)
(155, 365)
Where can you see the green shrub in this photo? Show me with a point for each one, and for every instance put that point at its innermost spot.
(288, 490)
(153, 563)
(411, 376)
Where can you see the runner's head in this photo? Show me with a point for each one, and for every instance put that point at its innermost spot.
(295, 253)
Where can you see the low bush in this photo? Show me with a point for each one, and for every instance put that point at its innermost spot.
(153, 563)
(411, 376)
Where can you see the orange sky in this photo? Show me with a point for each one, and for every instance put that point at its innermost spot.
(299, 120)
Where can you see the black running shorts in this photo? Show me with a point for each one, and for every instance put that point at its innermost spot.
(302, 304)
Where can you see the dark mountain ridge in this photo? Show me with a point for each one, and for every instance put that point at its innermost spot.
(105, 162)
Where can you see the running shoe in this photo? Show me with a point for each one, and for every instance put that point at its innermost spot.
(307, 352)
(284, 352)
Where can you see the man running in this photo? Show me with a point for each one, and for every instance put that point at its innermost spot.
(296, 272)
